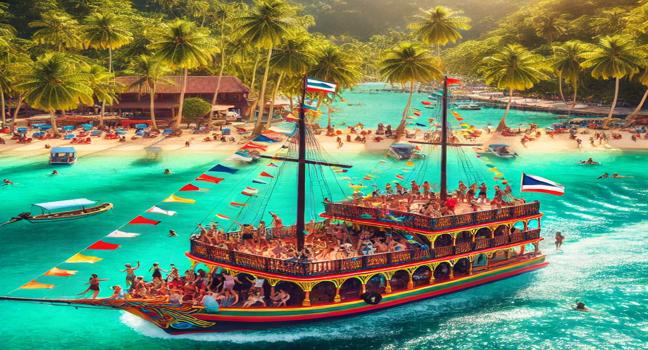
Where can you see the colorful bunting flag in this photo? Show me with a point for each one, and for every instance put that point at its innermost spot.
(101, 245)
(158, 210)
(175, 199)
(122, 234)
(249, 191)
(209, 178)
(36, 285)
(257, 181)
(140, 220)
(80, 258)
(265, 174)
(221, 216)
(273, 165)
(237, 204)
(189, 187)
(400, 177)
(223, 169)
(55, 271)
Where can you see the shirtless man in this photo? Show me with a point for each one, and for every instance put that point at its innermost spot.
(130, 273)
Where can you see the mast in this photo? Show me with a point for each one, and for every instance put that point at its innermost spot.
(301, 172)
(444, 141)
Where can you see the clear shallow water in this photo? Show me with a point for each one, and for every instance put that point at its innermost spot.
(603, 261)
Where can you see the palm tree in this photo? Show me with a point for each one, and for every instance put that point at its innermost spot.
(105, 31)
(223, 16)
(55, 83)
(57, 29)
(614, 57)
(566, 62)
(643, 79)
(409, 63)
(149, 73)
(513, 68)
(103, 87)
(184, 46)
(292, 59)
(269, 22)
(335, 66)
(550, 27)
(610, 21)
(439, 26)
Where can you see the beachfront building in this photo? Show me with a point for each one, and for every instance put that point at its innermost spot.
(134, 101)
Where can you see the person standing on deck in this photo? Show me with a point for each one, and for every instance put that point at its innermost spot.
(130, 273)
(93, 285)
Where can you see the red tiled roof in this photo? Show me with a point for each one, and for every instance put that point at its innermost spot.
(195, 85)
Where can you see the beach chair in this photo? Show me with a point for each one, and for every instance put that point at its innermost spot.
(167, 132)
(38, 134)
(139, 132)
(69, 137)
(96, 133)
(121, 131)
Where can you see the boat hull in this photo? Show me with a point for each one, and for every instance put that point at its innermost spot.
(193, 320)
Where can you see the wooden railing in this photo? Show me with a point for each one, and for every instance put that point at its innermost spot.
(317, 268)
(422, 222)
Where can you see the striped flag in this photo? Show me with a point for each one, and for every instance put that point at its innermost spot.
(158, 210)
(309, 107)
(249, 191)
(221, 216)
(313, 85)
(257, 181)
(532, 183)
(237, 204)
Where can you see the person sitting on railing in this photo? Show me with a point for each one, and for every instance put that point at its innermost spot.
(461, 192)
(483, 197)
(414, 188)
(426, 189)
(470, 194)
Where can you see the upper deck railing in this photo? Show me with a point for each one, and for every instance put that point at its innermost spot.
(215, 254)
(348, 211)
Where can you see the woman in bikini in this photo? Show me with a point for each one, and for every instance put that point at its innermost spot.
(130, 273)
(93, 286)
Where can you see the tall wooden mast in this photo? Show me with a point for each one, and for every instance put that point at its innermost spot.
(444, 141)
(301, 172)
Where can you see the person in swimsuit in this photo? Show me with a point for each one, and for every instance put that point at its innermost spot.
(93, 285)
(229, 282)
(559, 240)
(130, 273)
(277, 224)
(482, 197)
(157, 271)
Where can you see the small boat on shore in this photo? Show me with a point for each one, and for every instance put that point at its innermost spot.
(404, 151)
(63, 155)
(469, 107)
(80, 208)
(501, 150)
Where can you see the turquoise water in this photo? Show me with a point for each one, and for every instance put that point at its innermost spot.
(603, 263)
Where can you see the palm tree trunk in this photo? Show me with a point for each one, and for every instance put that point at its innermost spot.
(401, 126)
(502, 124)
(641, 103)
(102, 111)
(274, 96)
(328, 117)
(53, 122)
(2, 106)
(220, 72)
(110, 63)
(560, 89)
(152, 107)
(264, 83)
(257, 59)
(15, 113)
(575, 87)
(617, 82)
(290, 101)
(185, 75)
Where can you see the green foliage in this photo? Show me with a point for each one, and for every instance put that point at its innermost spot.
(514, 68)
(183, 45)
(410, 63)
(195, 108)
(440, 26)
(614, 57)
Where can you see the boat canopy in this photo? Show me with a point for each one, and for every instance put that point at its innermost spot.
(65, 204)
(497, 145)
(403, 146)
(63, 150)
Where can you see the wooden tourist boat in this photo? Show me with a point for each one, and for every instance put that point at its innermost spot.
(63, 155)
(443, 255)
(82, 208)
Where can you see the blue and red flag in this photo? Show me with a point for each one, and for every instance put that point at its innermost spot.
(532, 183)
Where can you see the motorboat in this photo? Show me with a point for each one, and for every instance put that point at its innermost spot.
(469, 107)
(404, 151)
(501, 150)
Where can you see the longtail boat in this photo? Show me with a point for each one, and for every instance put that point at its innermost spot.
(79, 208)
(441, 255)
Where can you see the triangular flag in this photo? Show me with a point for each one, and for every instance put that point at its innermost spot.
(249, 191)
(221, 216)
(158, 210)
(36, 285)
(55, 271)
(401, 177)
(140, 220)
(175, 199)
(265, 174)
(209, 178)
(453, 81)
(257, 181)
(101, 245)
(223, 169)
(237, 204)
(273, 165)
(189, 187)
(80, 258)
(122, 234)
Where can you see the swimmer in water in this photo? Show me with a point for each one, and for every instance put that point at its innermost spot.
(172, 233)
(167, 171)
(589, 161)
(54, 172)
(7, 182)
(617, 176)
(604, 176)
(580, 306)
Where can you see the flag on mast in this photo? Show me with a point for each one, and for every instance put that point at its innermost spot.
(532, 183)
(313, 85)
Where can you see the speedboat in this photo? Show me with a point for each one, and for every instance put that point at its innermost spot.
(404, 151)
(501, 150)
(78, 208)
